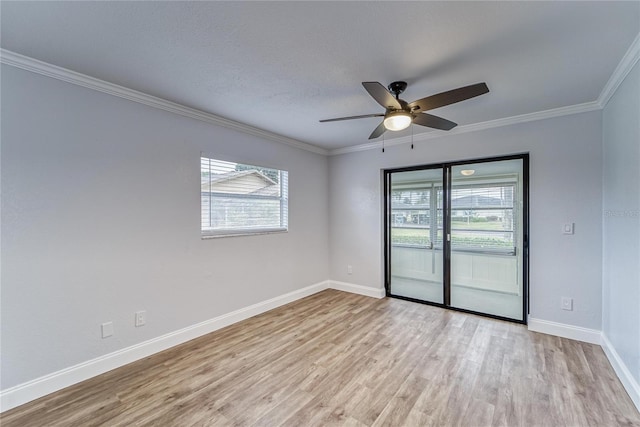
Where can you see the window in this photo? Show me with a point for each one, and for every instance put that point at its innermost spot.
(239, 199)
(482, 216)
(413, 222)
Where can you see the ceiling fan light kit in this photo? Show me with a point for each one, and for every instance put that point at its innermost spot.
(397, 120)
(399, 114)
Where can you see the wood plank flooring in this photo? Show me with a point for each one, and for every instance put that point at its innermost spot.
(341, 359)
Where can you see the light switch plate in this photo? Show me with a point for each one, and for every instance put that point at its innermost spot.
(567, 228)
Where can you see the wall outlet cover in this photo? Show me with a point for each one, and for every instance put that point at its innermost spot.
(107, 329)
(567, 303)
(141, 318)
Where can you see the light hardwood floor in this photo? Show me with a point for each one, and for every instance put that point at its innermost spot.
(341, 359)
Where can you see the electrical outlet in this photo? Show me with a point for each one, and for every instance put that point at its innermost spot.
(349, 269)
(567, 303)
(141, 318)
(107, 329)
(568, 228)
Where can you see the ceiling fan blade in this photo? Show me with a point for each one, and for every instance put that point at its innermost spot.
(449, 97)
(351, 118)
(378, 131)
(432, 121)
(382, 95)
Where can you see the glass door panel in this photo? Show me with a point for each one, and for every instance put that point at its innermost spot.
(415, 234)
(486, 222)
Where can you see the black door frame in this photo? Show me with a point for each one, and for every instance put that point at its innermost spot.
(446, 244)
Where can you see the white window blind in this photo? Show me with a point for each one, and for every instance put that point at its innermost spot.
(414, 222)
(238, 199)
(482, 217)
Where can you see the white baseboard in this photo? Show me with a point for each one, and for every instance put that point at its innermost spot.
(628, 381)
(563, 330)
(34, 389)
(39, 387)
(357, 289)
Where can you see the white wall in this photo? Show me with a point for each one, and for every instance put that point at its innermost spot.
(100, 218)
(621, 224)
(565, 186)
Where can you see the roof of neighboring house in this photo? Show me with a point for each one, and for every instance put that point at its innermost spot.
(237, 174)
(270, 187)
(272, 190)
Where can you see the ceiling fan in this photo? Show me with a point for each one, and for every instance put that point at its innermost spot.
(399, 114)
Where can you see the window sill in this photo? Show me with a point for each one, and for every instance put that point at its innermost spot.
(238, 233)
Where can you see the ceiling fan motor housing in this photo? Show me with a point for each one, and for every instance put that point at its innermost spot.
(397, 88)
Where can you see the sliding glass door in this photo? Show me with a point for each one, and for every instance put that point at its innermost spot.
(486, 237)
(456, 235)
(416, 230)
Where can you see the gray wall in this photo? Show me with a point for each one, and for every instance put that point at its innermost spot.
(566, 186)
(621, 224)
(101, 217)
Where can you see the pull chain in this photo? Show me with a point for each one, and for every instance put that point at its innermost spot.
(383, 142)
(412, 136)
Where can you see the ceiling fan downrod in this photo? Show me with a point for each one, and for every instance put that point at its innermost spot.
(397, 88)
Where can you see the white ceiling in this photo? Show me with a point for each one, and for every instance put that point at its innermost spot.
(282, 66)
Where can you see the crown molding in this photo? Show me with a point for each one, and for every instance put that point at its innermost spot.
(35, 66)
(625, 65)
(631, 57)
(522, 118)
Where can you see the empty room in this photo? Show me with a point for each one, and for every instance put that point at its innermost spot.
(300, 213)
